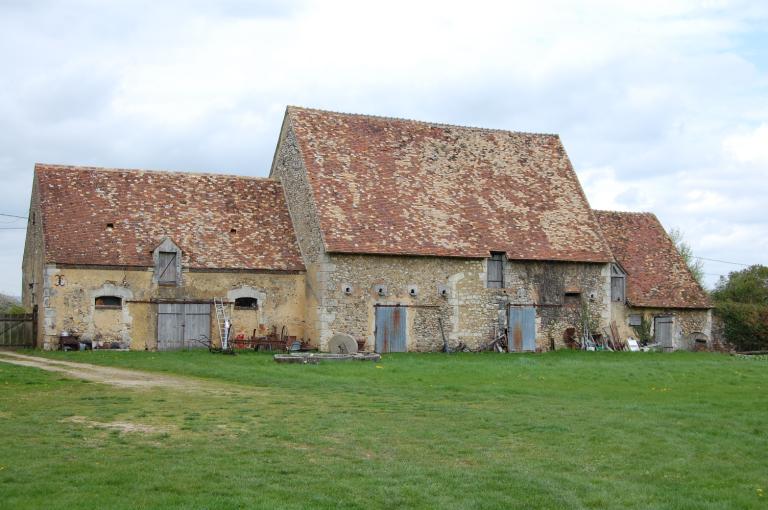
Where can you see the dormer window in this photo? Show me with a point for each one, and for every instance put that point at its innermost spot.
(167, 258)
(496, 270)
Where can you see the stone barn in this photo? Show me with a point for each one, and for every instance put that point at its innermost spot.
(405, 235)
(415, 234)
(135, 258)
(659, 287)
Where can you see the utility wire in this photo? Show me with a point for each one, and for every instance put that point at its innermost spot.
(723, 261)
(14, 216)
(13, 228)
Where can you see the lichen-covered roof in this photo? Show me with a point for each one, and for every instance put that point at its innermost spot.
(394, 186)
(657, 276)
(197, 211)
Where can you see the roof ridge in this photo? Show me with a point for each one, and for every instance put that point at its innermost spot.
(59, 166)
(422, 122)
(613, 211)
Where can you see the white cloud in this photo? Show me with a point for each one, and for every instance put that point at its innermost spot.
(749, 147)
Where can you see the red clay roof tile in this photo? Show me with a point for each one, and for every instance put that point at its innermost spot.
(394, 186)
(197, 211)
(657, 276)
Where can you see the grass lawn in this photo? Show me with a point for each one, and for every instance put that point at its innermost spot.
(559, 430)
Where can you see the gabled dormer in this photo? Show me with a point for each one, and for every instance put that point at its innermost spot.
(167, 263)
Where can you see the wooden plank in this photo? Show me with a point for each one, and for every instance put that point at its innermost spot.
(17, 330)
(170, 326)
(662, 331)
(167, 264)
(197, 325)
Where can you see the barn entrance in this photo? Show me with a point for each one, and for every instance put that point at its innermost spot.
(521, 331)
(183, 325)
(390, 328)
(662, 332)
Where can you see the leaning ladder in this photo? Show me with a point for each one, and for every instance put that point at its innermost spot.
(222, 321)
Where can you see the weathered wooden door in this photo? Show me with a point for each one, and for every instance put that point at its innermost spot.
(390, 329)
(181, 325)
(197, 324)
(521, 329)
(17, 330)
(662, 331)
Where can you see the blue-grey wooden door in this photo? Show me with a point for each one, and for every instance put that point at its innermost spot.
(183, 325)
(170, 326)
(521, 334)
(390, 329)
(662, 332)
(197, 325)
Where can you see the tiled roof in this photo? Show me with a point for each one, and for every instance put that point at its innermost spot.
(394, 186)
(657, 276)
(197, 211)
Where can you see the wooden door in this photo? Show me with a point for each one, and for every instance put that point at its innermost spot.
(170, 326)
(390, 329)
(183, 325)
(197, 325)
(521, 333)
(662, 332)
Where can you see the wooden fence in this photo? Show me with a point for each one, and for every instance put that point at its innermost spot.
(17, 330)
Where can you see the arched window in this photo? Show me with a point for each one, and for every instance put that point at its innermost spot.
(246, 303)
(109, 302)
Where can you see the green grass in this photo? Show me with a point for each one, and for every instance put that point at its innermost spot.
(561, 430)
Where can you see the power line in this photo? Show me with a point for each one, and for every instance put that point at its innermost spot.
(14, 216)
(723, 261)
(13, 228)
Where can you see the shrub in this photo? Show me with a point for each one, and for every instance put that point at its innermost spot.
(745, 325)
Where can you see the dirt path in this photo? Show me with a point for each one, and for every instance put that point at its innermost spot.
(120, 377)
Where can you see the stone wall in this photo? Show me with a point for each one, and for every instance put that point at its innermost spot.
(288, 168)
(685, 323)
(470, 313)
(32, 275)
(70, 293)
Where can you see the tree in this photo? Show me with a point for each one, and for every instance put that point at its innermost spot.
(741, 301)
(746, 286)
(695, 266)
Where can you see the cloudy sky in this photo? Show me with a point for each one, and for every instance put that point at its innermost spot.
(662, 105)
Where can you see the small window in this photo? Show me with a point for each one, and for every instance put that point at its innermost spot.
(635, 320)
(496, 270)
(618, 283)
(166, 268)
(246, 303)
(109, 302)
(572, 299)
(110, 226)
